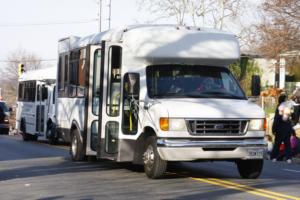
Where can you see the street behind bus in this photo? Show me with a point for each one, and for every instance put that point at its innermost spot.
(36, 170)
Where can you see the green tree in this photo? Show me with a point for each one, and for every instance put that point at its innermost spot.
(245, 80)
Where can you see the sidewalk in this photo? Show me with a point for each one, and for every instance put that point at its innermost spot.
(296, 159)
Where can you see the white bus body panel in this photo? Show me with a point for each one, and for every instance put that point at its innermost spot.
(168, 44)
(28, 110)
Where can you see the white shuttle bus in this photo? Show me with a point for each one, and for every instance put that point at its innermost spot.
(35, 107)
(150, 94)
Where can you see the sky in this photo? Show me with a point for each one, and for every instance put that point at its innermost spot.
(19, 21)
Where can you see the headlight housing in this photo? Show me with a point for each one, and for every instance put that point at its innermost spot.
(6, 120)
(257, 125)
(172, 124)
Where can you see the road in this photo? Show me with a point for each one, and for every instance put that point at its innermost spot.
(35, 170)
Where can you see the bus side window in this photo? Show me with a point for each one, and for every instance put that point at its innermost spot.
(62, 75)
(38, 93)
(131, 89)
(81, 89)
(77, 74)
(73, 73)
(96, 81)
(114, 80)
(53, 95)
(21, 92)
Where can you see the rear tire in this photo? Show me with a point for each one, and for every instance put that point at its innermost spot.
(76, 147)
(154, 166)
(4, 131)
(25, 136)
(52, 139)
(34, 137)
(250, 169)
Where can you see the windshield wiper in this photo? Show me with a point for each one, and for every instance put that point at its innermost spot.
(222, 94)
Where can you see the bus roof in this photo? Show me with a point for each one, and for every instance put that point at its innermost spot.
(166, 42)
(39, 74)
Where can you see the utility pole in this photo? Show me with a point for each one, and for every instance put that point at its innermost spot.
(109, 15)
(100, 14)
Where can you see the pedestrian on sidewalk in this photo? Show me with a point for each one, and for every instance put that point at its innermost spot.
(294, 144)
(269, 146)
(282, 129)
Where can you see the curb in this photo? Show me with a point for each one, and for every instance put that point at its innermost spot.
(296, 160)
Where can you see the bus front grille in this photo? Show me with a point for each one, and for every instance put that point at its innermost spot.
(207, 127)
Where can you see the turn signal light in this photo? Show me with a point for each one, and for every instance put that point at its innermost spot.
(164, 123)
(265, 124)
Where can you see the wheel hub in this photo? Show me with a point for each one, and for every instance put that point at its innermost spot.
(74, 146)
(149, 156)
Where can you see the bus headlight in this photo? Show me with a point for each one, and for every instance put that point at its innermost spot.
(257, 125)
(172, 124)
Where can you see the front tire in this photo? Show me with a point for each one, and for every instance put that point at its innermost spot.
(250, 169)
(76, 148)
(154, 166)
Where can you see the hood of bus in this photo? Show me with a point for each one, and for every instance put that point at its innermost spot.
(209, 108)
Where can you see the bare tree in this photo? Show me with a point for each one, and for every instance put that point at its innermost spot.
(212, 13)
(279, 30)
(9, 71)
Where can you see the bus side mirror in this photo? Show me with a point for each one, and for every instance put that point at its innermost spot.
(255, 85)
(133, 84)
(44, 93)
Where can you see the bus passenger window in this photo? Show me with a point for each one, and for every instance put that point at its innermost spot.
(131, 89)
(114, 80)
(111, 137)
(96, 81)
(73, 73)
(21, 92)
(82, 74)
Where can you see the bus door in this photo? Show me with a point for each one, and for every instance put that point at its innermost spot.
(41, 112)
(51, 102)
(95, 94)
(109, 119)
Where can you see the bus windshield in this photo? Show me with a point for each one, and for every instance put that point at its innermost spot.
(190, 81)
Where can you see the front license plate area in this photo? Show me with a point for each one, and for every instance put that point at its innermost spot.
(255, 153)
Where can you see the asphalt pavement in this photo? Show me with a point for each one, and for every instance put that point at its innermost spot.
(36, 170)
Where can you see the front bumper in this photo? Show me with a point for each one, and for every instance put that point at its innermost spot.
(189, 150)
(4, 126)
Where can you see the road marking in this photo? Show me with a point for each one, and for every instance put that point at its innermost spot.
(291, 170)
(245, 188)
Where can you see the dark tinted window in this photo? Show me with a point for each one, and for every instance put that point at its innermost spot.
(4, 107)
(27, 91)
(181, 81)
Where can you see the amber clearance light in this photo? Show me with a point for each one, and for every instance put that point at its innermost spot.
(164, 123)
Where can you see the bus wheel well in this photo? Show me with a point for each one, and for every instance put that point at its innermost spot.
(141, 144)
(23, 125)
(73, 127)
(49, 122)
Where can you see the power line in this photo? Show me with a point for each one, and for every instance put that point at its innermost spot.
(36, 60)
(49, 23)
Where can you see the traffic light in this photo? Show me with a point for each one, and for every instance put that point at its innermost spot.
(21, 69)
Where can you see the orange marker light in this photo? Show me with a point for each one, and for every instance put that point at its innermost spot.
(164, 123)
(265, 124)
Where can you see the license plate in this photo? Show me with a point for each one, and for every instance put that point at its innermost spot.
(255, 153)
